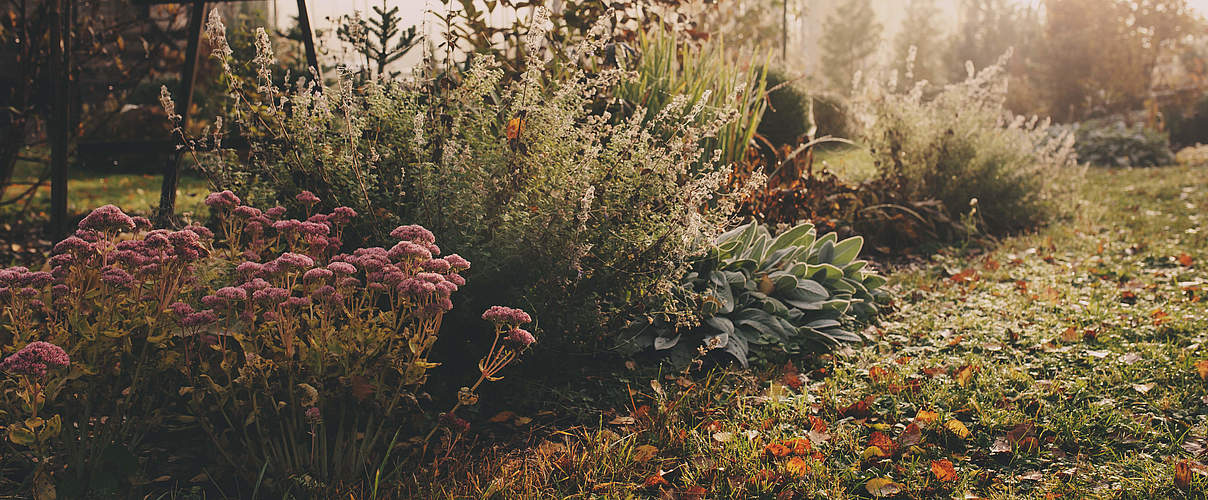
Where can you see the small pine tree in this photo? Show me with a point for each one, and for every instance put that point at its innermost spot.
(375, 38)
(852, 34)
(919, 30)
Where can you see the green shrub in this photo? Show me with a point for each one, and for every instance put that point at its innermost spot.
(753, 292)
(567, 210)
(1118, 145)
(963, 148)
(1188, 125)
(787, 118)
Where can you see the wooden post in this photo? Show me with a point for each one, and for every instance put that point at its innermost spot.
(312, 58)
(167, 196)
(59, 122)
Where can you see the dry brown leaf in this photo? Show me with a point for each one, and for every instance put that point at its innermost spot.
(644, 453)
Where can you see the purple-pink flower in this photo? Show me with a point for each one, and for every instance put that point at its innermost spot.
(307, 198)
(502, 315)
(223, 199)
(107, 218)
(520, 338)
(414, 233)
(35, 359)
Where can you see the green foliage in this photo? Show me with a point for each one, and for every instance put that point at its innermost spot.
(670, 67)
(962, 148)
(754, 292)
(1115, 144)
(561, 207)
(1188, 124)
(787, 117)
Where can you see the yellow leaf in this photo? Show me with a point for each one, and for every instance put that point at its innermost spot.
(926, 417)
(797, 467)
(872, 452)
(882, 487)
(957, 428)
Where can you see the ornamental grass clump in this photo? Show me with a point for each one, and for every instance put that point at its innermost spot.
(960, 145)
(297, 363)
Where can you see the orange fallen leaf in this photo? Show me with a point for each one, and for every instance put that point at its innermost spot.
(883, 442)
(800, 447)
(655, 481)
(926, 417)
(1185, 260)
(1182, 475)
(797, 466)
(963, 375)
(776, 450)
(1201, 367)
(943, 470)
(1070, 335)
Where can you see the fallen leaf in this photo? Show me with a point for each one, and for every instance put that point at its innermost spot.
(694, 493)
(926, 417)
(1001, 445)
(957, 428)
(644, 453)
(1182, 475)
(656, 481)
(723, 437)
(943, 470)
(1201, 367)
(797, 466)
(776, 450)
(1143, 388)
(1070, 335)
(504, 416)
(882, 487)
(911, 436)
(522, 421)
(622, 421)
(963, 375)
(1185, 260)
(883, 442)
(872, 452)
(1133, 357)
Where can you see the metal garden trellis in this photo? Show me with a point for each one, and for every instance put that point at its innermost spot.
(167, 200)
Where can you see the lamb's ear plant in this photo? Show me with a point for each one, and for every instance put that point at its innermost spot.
(754, 291)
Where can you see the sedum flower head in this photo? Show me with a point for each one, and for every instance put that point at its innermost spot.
(35, 359)
(107, 218)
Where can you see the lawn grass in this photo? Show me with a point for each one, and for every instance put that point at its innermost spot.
(1061, 364)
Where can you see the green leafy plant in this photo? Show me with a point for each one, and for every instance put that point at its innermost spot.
(754, 291)
(562, 206)
(672, 68)
(1118, 145)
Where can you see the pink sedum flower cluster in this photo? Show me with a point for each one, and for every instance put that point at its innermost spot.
(35, 359)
